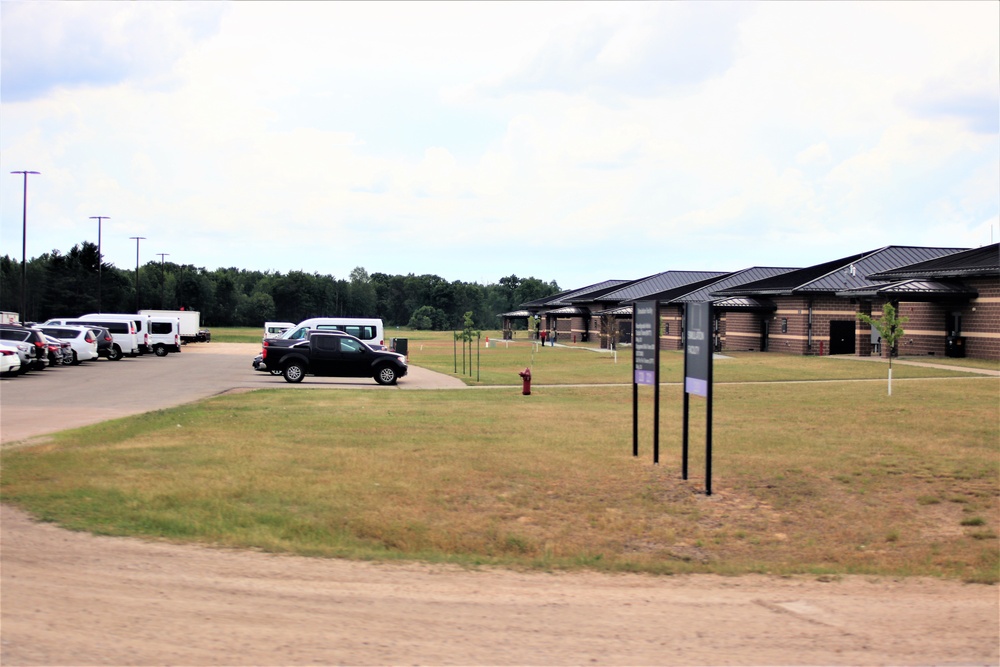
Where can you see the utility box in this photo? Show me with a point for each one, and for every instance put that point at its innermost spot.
(954, 346)
(400, 345)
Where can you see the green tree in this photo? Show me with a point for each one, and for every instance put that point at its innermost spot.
(890, 328)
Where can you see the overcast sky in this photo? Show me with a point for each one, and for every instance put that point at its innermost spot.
(574, 142)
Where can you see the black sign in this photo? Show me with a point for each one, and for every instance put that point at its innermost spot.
(644, 342)
(698, 349)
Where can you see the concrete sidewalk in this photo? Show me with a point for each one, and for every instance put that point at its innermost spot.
(924, 364)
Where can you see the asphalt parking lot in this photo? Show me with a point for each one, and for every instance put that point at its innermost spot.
(62, 397)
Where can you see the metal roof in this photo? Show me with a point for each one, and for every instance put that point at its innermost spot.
(743, 303)
(984, 261)
(752, 274)
(843, 274)
(913, 290)
(568, 310)
(517, 313)
(561, 299)
(656, 286)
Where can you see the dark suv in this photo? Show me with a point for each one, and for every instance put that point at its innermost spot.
(19, 334)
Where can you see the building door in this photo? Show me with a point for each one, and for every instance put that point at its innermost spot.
(842, 337)
(765, 328)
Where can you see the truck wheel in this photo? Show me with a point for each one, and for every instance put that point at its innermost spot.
(115, 353)
(76, 358)
(161, 350)
(385, 375)
(294, 372)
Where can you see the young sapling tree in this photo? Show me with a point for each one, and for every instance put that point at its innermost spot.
(889, 327)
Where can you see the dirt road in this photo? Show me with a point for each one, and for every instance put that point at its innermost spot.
(77, 599)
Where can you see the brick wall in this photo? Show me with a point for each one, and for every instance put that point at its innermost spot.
(981, 320)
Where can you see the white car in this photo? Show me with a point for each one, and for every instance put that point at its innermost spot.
(10, 362)
(80, 338)
(24, 351)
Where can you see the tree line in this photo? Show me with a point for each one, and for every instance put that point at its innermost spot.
(70, 284)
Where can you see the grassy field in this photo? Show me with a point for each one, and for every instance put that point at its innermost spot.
(825, 478)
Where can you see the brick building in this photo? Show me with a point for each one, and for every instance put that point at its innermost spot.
(950, 295)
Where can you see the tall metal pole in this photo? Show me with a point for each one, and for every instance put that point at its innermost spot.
(100, 257)
(24, 243)
(163, 280)
(137, 239)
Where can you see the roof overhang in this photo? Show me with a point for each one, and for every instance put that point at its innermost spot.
(914, 290)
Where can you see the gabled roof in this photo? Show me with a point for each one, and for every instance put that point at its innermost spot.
(562, 298)
(915, 289)
(839, 275)
(984, 261)
(750, 275)
(662, 284)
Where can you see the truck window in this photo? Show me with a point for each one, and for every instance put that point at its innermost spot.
(161, 328)
(348, 346)
(325, 343)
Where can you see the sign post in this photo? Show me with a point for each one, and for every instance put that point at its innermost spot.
(698, 376)
(646, 368)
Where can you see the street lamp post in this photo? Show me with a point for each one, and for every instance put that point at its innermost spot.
(100, 257)
(137, 239)
(163, 280)
(24, 243)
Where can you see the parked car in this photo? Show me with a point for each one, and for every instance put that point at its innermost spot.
(105, 341)
(24, 351)
(331, 354)
(81, 341)
(122, 330)
(10, 362)
(53, 347)
(20, 334)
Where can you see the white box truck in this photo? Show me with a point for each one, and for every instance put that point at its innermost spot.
(190, 321)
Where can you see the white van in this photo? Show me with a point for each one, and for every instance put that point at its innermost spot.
(141, 326)
(165, 335)
(275, 329)
(369, 330)
(122, 330)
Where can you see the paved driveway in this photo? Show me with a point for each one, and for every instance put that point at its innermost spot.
(99, 390)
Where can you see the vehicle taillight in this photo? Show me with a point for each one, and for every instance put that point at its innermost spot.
(177, 339)
(131, 327)
(108, 338)
(39, 343)
(88, 338)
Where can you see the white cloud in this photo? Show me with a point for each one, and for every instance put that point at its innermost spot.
(572, 141)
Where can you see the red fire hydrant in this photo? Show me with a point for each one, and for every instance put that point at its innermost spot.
(526, 384)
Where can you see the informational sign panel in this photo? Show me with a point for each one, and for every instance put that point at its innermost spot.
(698, 350)
(644, 342)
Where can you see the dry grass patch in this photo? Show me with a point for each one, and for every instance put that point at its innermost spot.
(834, 479)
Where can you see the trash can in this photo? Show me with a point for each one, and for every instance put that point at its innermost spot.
(400, 345)
(954, 346)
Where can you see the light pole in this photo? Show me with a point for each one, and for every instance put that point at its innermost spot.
(137, 239)
(24, 243)
(163, 280)
(100, 258)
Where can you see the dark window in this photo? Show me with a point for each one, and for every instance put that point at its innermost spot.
(325, 343)
(161, 328)
(784, 325)
(13, 334)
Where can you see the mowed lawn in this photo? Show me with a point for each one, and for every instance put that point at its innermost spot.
(809, 477)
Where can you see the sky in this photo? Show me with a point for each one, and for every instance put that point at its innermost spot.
(570, 142)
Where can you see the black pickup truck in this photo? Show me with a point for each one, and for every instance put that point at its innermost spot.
(329, 354)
